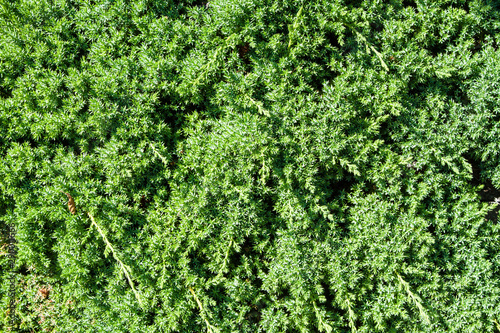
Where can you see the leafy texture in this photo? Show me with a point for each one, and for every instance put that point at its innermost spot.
(251, 165)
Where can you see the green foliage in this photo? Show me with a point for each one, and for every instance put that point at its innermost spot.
(251, 166)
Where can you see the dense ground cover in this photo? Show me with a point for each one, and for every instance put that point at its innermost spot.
(251, 165)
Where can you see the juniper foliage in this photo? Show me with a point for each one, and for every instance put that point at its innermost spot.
(251, 165)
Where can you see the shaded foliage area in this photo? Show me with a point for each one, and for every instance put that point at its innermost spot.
(251, 165)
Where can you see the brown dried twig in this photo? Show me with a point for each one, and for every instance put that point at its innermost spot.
(71, 203)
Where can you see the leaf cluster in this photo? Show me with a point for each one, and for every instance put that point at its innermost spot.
(251, 165)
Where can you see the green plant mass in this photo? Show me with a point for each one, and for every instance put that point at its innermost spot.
(250, 165)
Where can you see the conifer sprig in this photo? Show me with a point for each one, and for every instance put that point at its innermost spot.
(124, 268)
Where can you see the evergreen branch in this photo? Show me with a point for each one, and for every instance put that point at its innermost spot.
(352, 316)
(163, 159)
(292, 28)
(322, 325)
(224, 264)
(126, 270)
(259, 106)
(210, 327)
(497, 324)
(363, 38)
(416, 300)
(203, 71)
